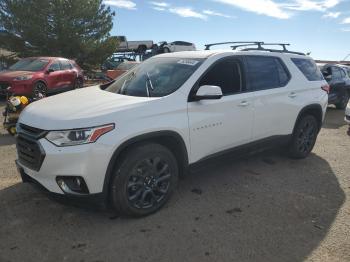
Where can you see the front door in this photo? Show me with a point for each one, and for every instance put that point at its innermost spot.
(217, 125)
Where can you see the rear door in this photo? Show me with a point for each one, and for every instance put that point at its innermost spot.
(53, 77)
(68, 74)
(274, 96)
(217, 125)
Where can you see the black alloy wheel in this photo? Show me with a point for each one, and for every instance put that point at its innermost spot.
(304, 137)
(144, 180)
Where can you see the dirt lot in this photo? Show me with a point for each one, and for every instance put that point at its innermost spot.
(259, 208)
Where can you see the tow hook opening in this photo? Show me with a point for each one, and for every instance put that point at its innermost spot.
(72, 185)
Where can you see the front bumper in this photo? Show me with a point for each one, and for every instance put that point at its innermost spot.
(87, 161)
(16, 87)
(95, 200)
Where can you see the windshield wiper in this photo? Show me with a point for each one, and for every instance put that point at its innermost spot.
(149, 85)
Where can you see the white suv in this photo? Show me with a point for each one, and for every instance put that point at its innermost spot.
(129, 143)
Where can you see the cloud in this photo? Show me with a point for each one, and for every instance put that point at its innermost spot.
(332, 15)
(312, 5)
(187, 12)
(159, 4)
(345, 29)
(213, 13)
(346, 20)
(262, 7)
(126, 4)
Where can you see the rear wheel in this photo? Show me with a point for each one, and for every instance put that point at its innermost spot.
(144, 180)
(78, 83)
(39, 90)
(343, 102)
(166, 50)
(304, 137)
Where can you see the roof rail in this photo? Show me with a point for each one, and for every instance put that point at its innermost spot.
(259, 46)
(207, 46)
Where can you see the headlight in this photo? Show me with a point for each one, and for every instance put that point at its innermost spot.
(22, 78)
(78, 136)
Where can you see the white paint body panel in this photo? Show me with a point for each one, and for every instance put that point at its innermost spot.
(206, 127)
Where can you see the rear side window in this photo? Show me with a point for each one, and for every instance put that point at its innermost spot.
(265, 72)
(308, 68)
(65, 65)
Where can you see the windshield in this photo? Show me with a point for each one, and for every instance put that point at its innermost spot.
(29, 64)
(155, 77)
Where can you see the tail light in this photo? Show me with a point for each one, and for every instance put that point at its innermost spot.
(326, 88)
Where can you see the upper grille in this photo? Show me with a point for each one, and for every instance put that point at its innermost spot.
(30, 152)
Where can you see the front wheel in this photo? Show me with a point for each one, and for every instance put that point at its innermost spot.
(39, 90)
(144, 180)
(304, 137)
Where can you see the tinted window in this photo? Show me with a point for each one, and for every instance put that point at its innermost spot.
(266, 72)
(29, 64)
(308, 68)
(55, 66)
(225, 74)
(65, 65)
(342, 72)
(336, 73)
(160, 76)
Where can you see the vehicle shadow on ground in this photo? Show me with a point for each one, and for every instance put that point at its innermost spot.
(259, 208)
(334, 118)
(6, 140)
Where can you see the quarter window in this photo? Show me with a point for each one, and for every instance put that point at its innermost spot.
(308, 68)
(266, 72)
(226, 74)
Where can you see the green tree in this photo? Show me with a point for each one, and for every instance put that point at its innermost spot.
(76, 29)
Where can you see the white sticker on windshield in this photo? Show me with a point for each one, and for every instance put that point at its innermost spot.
(188, 62)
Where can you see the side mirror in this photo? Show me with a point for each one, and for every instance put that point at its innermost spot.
(208, 92)
(50, 71)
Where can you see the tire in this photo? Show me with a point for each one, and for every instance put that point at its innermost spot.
(78, 83)
(39, 88)
(304, 137)
(166, 50)
(134, 188)
(344, 101)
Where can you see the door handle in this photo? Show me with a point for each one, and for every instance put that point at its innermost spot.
(292, 95)
(244, 104)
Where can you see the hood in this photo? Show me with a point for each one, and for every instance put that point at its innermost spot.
(80, 108)
(13, 74)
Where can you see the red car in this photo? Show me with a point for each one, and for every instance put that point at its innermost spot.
(41, 75)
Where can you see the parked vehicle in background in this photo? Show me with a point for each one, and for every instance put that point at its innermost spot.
(177, 46)
(139, 47)
(346, 68)
(112, 63)
(128, 144)
(339, 82)
(121, 69)
(41, 75)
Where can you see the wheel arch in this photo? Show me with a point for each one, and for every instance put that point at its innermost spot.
(170, 139)
(313, 109)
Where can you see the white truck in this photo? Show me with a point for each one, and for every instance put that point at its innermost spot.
(133, 46)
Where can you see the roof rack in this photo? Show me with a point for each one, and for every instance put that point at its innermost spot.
(260, 47)
(207, 46)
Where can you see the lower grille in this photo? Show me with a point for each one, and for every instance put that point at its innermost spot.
(30, 153)
(4, 85)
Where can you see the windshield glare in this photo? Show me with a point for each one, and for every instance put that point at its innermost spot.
(29, 64)
(155, 77)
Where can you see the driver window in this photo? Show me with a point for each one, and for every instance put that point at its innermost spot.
(55, 66)
(225, 74)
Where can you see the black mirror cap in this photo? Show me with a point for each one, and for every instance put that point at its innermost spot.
(50, 71)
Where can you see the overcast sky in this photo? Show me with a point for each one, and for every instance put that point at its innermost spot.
(322, 26)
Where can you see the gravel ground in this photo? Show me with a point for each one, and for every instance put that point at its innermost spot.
(264, 207)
